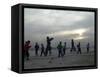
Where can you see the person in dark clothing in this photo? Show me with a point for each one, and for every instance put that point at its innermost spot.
(48, 47)
(79, 48)
(36, 49)
(64, 49)
(72, 46)
(26, 49)
(88, 47)
(60, 47)
(42, 49)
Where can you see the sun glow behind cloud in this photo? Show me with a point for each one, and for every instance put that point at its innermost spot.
(78, 32)
(79, 38)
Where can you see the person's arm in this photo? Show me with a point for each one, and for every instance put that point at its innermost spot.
(51, 39)
(29, 46)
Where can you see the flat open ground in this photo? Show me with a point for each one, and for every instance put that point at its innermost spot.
(70, 59)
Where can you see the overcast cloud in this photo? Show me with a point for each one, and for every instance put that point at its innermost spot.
(60, 24)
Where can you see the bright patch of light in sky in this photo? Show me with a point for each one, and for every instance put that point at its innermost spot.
(79, 38)
(79, 32)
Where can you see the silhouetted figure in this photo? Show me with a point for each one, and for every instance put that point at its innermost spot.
(79, 48)
(36, 49)
(42, 50)
(88, 47)
(60, 47)
(48, 47)
(64, 49)
(72, 46)
(26, 49)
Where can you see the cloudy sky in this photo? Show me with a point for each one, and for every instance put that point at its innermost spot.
(60, 24)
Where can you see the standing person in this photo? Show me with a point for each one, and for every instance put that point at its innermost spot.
(79, 48)
(36, 49)
(88, 47)
(64, 49)
(42, 49)
(26, 49)
(59, 47)
(72, 46)
(48, 48)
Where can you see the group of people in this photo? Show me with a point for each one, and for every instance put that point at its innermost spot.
(61, 49)
(73, 48)
(44, 51)
(47, 51)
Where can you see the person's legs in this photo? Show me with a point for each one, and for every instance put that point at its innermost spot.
(80, 51)
(74, 48)
(61, 53)
(36, 52)
(71, 49)
(58, 53)
(41, 53)
(46, 52)
(50, 51)
(24, 54)
(64, 52)
(87, 50)
(27, 55)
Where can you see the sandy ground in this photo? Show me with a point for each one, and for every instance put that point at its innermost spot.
(70, 59)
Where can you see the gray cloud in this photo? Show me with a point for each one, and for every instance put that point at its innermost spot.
(41, 22)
